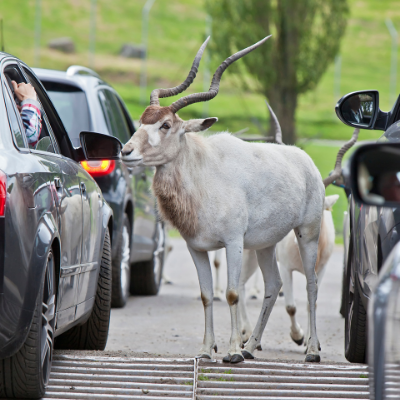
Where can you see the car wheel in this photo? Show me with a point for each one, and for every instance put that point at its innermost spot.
(343, 296)
(146, 276)
(121, 272)
(26, 373)
(355, 332)
(92, 335)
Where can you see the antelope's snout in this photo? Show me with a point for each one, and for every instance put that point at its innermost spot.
(129, 155)
(126, 152)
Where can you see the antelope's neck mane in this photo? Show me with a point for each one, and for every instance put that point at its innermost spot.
(178, 185)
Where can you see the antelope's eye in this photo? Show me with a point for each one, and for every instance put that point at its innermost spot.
(165, 126)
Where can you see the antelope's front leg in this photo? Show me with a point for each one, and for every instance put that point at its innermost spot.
(202, 263)
(272, 285)
(234, 254)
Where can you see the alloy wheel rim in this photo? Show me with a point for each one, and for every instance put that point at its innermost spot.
(126, 252)
(48, 320)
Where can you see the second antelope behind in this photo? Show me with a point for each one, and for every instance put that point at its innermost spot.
(222, 192)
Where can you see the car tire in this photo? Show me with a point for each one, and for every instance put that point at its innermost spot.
(343, 296)
(146, 275)
(355, 332)
(121, 270)
(26, 373)
(92, 335)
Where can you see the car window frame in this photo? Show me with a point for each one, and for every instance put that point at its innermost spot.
(46, 121)
(105, 115)
(65, 147)
(127, 116)
(7, 92)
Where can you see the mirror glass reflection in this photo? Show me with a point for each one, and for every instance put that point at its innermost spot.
(378, 175)
(99, 147)
(359, 109)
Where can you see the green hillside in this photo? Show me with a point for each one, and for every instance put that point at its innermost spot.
(176, 30)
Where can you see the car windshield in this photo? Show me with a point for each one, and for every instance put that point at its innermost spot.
(71, 104)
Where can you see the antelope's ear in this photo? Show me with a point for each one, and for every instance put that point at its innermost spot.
(330, 201)
(197, 125)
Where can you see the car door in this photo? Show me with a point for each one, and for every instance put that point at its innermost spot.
(30, 201)
(117, 120)
(63, 179)
(91, 241)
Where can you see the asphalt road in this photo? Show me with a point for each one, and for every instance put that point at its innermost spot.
(172, 323)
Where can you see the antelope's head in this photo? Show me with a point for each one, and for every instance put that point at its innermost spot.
(161, 133)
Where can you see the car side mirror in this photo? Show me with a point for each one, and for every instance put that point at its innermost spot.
(375, 174)
(96, 146)
(361, 110)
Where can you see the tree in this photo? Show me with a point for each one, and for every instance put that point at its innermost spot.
(305, 39)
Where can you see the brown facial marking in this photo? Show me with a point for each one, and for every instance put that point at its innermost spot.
(153, 114)
(232, 297)
(291, 310)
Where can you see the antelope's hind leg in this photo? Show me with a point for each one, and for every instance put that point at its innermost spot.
(307, 238)
(218, 292)
(296, 333)
(204, 274)
(248, 268)
(272, 285)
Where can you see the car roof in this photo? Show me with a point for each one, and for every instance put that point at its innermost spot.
(71, 77)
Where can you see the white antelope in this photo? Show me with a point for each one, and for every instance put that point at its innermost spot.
(222, 192)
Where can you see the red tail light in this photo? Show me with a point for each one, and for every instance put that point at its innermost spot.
(3, 193)
(99, 168)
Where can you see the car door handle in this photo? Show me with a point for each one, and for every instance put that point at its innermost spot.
(57, 183)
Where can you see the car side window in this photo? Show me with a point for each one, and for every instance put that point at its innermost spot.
(114, 116)
(47, 140)
(13, 121)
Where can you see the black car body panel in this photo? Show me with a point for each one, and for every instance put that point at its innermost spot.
(127, 190)
(49, 194)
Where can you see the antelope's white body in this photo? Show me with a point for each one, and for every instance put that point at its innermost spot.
(223, 192)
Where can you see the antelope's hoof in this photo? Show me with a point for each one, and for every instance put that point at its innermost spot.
(299, 341)
(204, 355)
(259, 348)
(236, 358)
(227, 358)
(313, 358)
(247, 355)
(281, 294)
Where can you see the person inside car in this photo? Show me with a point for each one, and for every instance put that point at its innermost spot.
(29, 109)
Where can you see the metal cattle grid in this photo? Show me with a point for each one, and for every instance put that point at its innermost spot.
(98, 378)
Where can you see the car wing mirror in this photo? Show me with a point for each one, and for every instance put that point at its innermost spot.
(361, 110)
(96, 146)
(375, 174)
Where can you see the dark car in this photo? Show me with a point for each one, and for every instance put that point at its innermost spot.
(55, 241)
(373, 230)
(85, 102)
(375, 179)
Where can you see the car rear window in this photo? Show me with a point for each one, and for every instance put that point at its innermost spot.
(71, 104)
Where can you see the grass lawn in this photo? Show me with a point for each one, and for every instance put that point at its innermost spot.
(176, 29)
